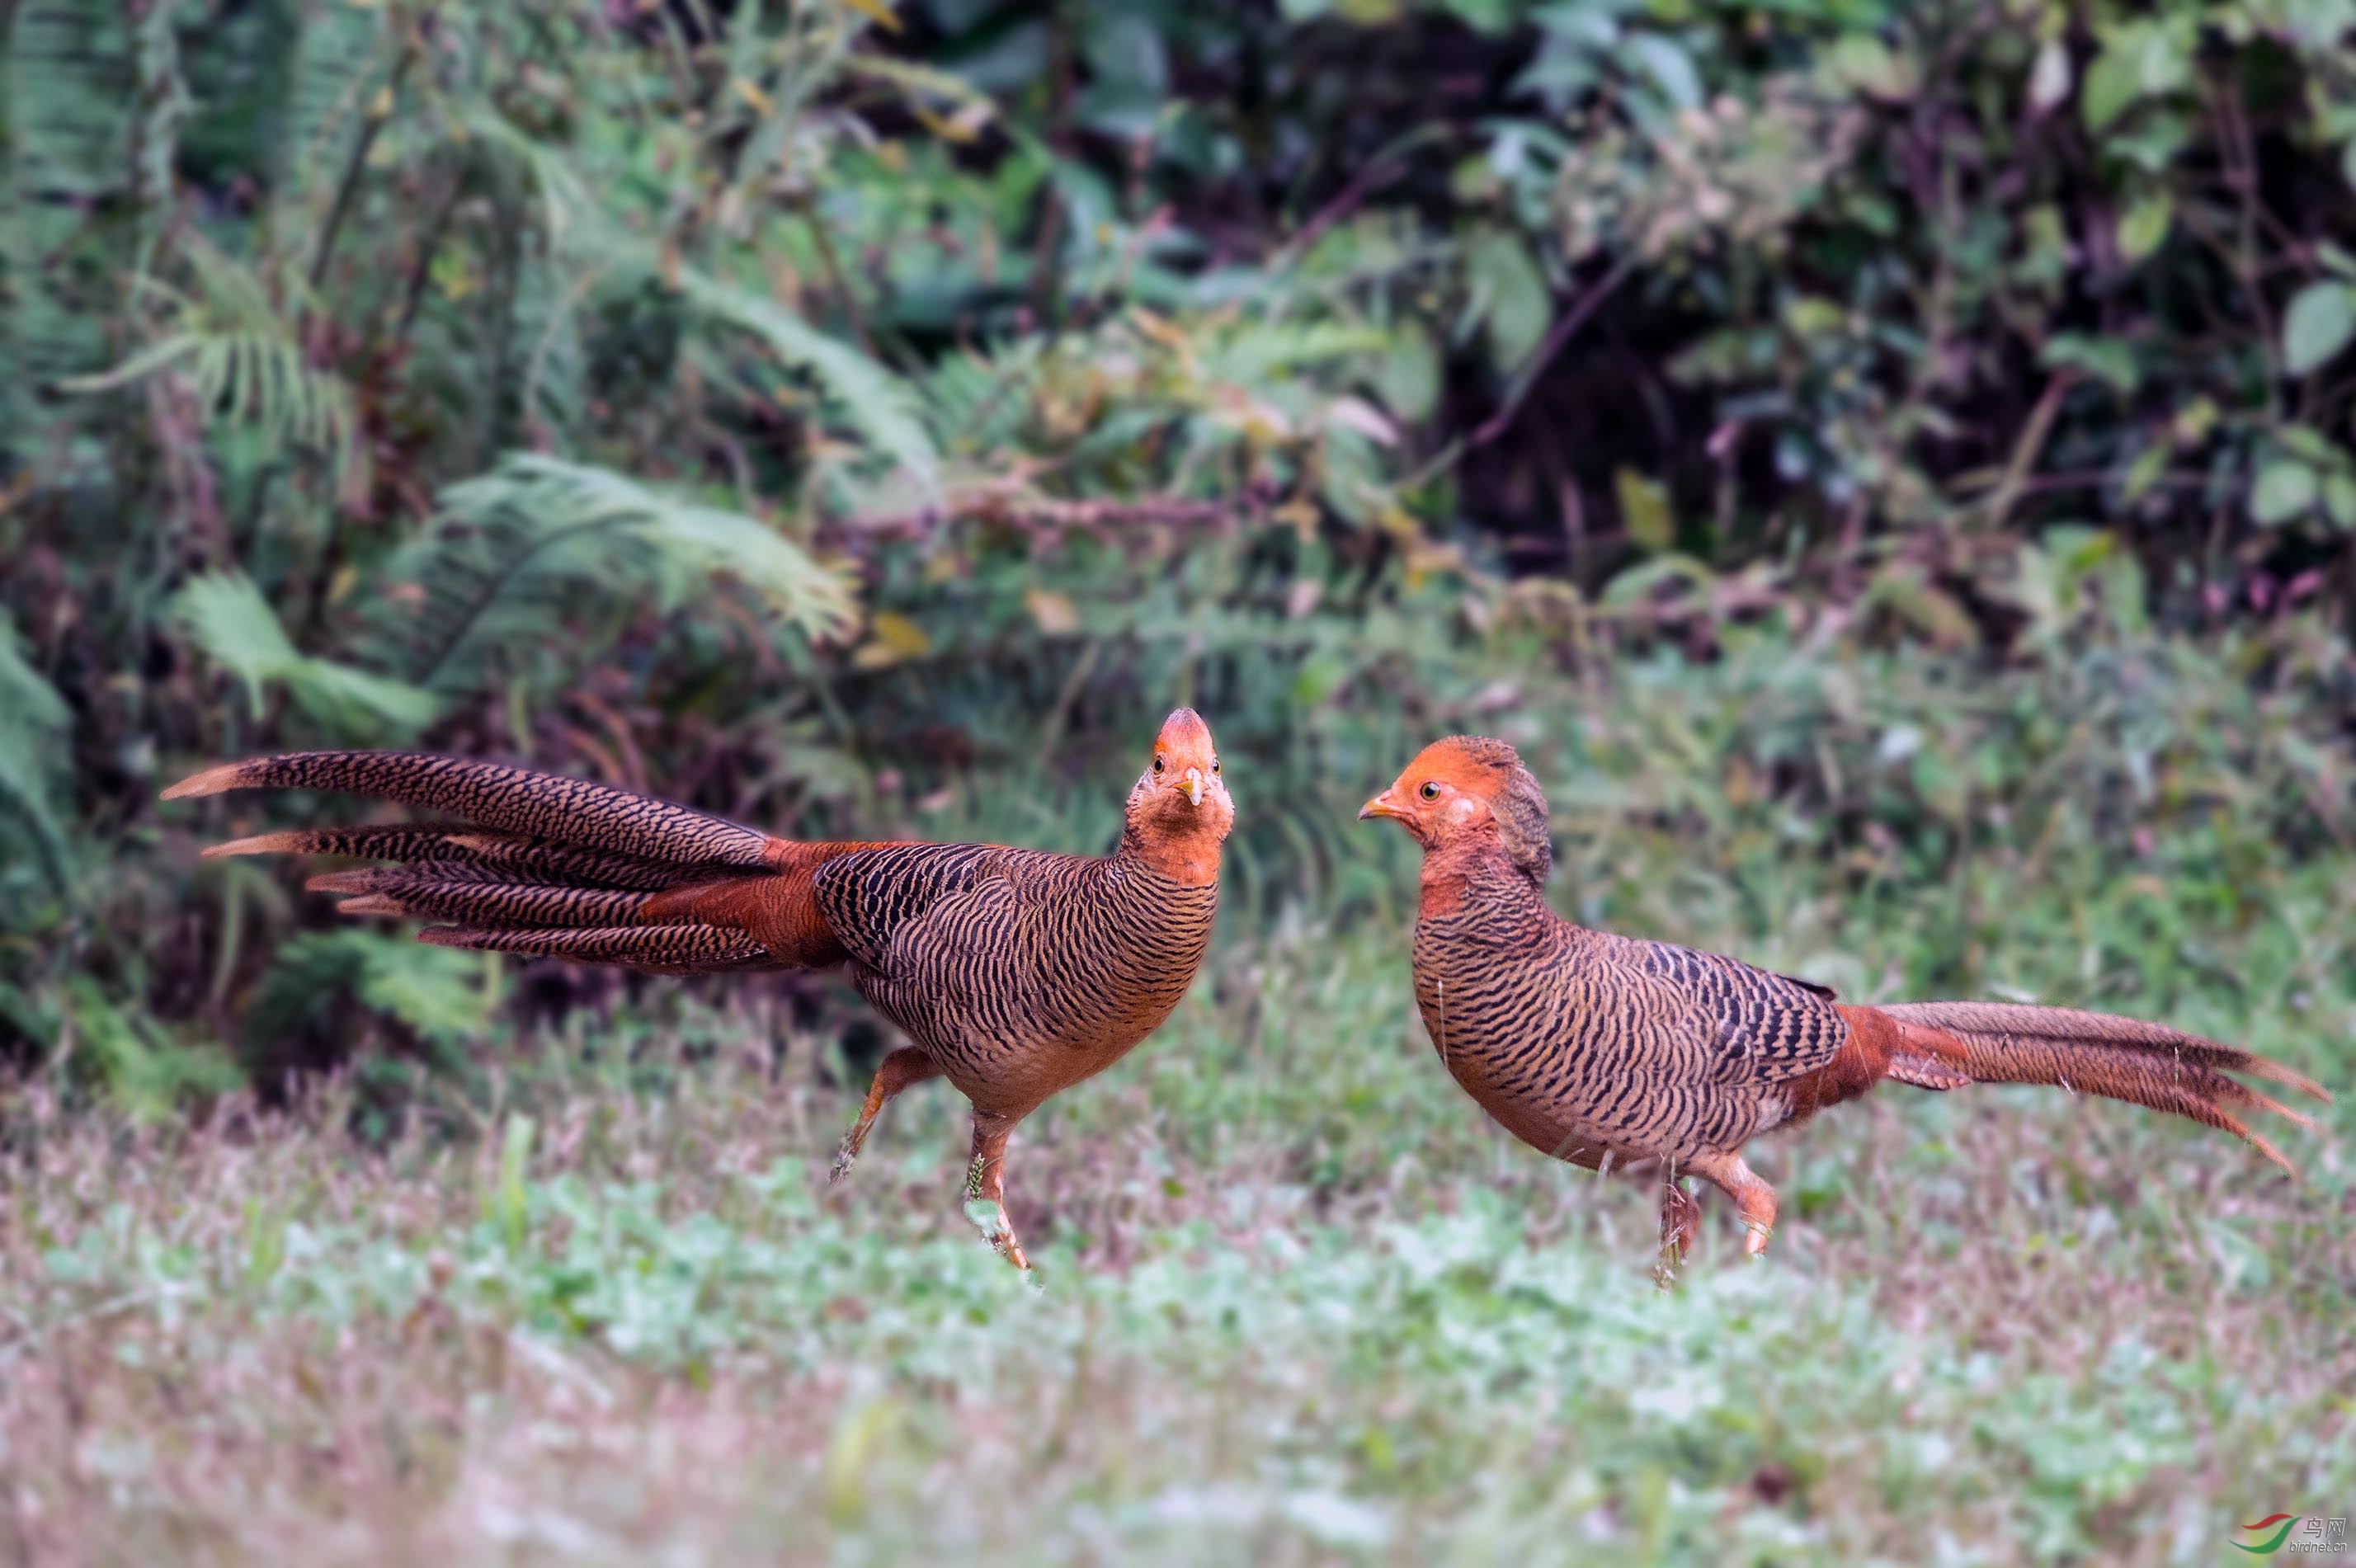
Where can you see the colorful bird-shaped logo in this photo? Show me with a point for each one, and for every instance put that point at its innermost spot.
(2279, 1523)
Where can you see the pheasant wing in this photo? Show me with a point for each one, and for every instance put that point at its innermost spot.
(1764, 1027)
(873, 897)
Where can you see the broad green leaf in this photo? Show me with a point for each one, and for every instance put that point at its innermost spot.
(1643, 508)
(226, 615)
(2143, 226)
(2143, 474)
(1511, 293)
(2321, 318)
(2283, 490)
(1865, 62)
(2110, 86)
(1407, 374)
(2307, 443)
(2111, 358)
(1670, 67)
(2340, 500)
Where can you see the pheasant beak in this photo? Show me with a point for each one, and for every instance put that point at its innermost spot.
(1194, 787)
(1384, 805)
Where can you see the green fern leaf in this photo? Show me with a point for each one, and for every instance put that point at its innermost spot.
(879, 404)
(33, 726)
(226, 615)
(338, 56)
(70, 67)
(438, 992)
(246, 365)
(516, 553)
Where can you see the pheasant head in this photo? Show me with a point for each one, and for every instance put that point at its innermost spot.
(1179, 812)
(1466, 792)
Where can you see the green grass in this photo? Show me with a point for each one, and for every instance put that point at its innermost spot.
(1296, 1302)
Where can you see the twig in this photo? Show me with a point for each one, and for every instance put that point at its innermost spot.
(1052, 734)
(413, 298)
(1572, 320)
(836, 276)
(2025, 450)
(1046, 296)
(348, 188)
(2094, 479)
(1166, 511)
(1365, 183)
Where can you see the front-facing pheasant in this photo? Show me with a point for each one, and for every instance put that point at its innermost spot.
(1609, 1052)
(1014, 973)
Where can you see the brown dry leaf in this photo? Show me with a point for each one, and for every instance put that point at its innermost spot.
(1056, 615)
(894, 639)
(875, 11)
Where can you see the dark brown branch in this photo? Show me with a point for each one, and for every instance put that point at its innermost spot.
(1572, 320)
(348, 188)
(1162, 511)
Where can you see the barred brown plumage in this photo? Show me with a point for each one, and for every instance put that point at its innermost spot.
(579, 811)
(1014, 973)
(1610, 1051)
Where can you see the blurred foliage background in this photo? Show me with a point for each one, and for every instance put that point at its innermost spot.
(1887, 465)
(1860, 449)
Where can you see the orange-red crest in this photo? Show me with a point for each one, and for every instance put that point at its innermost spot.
(1466, 785)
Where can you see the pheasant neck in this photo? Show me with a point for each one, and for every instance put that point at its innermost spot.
(1188, 855)
(1475, 876)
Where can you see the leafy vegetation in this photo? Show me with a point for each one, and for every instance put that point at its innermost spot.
(812, 408)
(1888, 467)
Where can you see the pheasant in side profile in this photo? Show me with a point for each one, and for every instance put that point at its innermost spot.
(1014, 973)
(1605, 1050)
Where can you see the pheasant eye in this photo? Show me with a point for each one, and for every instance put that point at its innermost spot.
(1158, 765)
(1215, 764)
(1431, 789)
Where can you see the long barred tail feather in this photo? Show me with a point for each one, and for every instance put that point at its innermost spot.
(461, 854)
(540, 864)
(683, 949)
(1947, 1044)
(528, 906)
(573, 811)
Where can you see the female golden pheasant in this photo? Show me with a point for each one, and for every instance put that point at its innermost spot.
(1604, 1051)
(1015, 973)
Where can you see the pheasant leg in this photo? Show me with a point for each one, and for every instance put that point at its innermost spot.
(985, 1182)
(903, 1069)
(1753, 1199)
(1680, 1223)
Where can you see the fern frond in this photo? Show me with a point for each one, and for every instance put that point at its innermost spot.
(246, 364)
(225, 614)
(879, 404)
(339, 54)
(437, 992)
(979, 401)
(70, 67)
(513, 550)
(1268, 349)
(148, 1073)
(569, 219)
(33, 726)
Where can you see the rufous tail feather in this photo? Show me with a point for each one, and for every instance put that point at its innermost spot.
(544, 865)
(1947, 1045)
